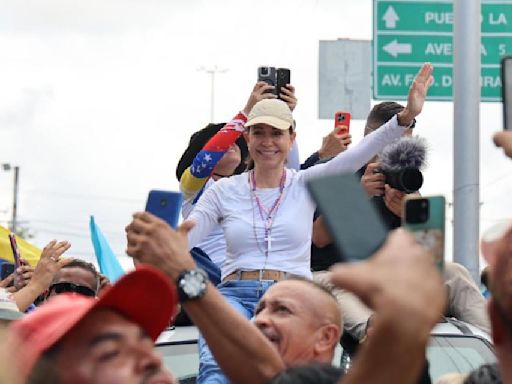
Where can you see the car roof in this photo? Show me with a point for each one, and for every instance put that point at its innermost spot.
(178, 335)
(449, 326)
(452, 326)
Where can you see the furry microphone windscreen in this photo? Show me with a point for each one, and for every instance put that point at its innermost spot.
(406, 152)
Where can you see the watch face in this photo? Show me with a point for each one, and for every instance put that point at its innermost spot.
(193, 284)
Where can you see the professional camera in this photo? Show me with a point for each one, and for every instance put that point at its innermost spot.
(401, 161)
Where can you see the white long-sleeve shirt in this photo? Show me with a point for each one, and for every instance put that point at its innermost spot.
(230, 203)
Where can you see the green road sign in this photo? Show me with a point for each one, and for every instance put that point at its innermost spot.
(408, 33)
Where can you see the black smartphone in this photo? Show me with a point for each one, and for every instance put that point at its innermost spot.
(352, 220)
(15, 250)
(268, 75)
(282, 79)
(6, 270)
(165, 205)
(424, 217)
(506, 91)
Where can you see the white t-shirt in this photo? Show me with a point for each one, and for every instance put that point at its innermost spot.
(230, 203)
(214, 245)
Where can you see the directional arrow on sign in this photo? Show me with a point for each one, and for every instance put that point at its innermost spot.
(394, 48)
(390, 17)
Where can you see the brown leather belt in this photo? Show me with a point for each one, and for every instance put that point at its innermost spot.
(262, 274)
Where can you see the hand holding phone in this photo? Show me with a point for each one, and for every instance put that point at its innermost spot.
(342, 121)
(425, 217)
(15, 250)
(165, 205)
(268, 75)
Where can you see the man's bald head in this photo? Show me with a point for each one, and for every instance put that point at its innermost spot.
(302, 319)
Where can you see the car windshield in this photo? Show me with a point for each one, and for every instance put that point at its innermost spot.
(453, 353)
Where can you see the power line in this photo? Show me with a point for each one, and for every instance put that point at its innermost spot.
(78, 196)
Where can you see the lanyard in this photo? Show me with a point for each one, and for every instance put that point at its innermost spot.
(267, 215)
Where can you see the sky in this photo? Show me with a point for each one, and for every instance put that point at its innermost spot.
(99, 98)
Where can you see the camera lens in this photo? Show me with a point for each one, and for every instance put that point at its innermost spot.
(341, 118)
(264, 71)
(163, 202)
(417, 211)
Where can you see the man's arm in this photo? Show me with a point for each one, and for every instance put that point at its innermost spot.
(396, 283)
(234, 341)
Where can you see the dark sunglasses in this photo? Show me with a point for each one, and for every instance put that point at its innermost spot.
(70, 287)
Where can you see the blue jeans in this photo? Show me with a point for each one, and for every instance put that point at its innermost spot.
(204, 262)
(243, 295)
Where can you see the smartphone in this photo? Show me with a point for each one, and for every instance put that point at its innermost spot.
(268, 75)
(165, 205)
(342, 118)
(282, 79)
(353, 222)
(15, 250)
(6, 270)
(506, 91)
(425, 217)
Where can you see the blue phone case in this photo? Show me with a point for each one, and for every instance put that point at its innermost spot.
(165, 205)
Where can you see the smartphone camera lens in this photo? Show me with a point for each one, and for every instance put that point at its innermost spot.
(341, 118)
(264, 71)
(417, 211)
(163, 203)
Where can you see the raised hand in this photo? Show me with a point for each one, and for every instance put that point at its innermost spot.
(397, 281)
(287, 94)
(417, 94)
(152, 241)
(260, 91)
(50, 263)
(334, 143)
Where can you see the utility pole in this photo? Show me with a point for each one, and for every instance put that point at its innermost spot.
(16, 170)
(466, 96)
(212, 71)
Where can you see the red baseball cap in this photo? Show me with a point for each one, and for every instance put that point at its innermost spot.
(144, 296)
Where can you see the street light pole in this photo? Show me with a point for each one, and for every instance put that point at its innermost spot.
(212, 72)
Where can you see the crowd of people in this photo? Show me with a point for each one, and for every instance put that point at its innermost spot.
(253, 266)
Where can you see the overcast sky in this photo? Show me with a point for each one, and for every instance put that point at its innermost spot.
(99, 99)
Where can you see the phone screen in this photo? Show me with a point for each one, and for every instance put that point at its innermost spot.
(506, 91)
(165, 205)
(425, 218)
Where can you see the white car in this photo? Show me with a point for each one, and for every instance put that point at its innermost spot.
(455, 346)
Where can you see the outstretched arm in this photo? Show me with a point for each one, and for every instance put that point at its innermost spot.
(234, 341)
(355, 157)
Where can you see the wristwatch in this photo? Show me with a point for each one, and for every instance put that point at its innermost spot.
(191, 284)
